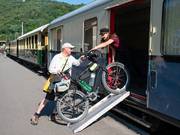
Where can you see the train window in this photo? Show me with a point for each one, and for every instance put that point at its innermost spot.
(29, 43)
(33, 42)
(36, 41)
(24, 41)
(46, 40)
(171, 27)
(90, 32)
(58, 39)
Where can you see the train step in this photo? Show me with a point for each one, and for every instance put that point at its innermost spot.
(133, 117)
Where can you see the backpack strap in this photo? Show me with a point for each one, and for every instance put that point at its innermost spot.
(65, 64)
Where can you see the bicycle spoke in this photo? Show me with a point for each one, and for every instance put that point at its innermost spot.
(116, 77)
(72, 106)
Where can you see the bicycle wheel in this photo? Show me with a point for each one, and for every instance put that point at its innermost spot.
(115, 78)
(73, 106)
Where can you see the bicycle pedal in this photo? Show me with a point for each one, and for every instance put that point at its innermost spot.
(92, 96)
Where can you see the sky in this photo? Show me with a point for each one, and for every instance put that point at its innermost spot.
(76, 1)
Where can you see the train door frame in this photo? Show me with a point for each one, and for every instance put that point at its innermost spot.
(131, 6)
(89, 33)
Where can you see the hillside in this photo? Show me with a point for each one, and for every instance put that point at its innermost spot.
(33, 13)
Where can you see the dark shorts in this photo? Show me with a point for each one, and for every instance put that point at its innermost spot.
(50, 96)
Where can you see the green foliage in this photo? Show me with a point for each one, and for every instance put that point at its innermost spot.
(33, 14)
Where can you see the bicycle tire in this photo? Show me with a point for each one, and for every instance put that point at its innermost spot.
(115, 79)
(73, 106)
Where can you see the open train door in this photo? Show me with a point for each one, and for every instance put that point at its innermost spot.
(130, 21)
(164, 89)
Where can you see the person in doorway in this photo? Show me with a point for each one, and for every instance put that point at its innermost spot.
(107, 39)
(62, 61)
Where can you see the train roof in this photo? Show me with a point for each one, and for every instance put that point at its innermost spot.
(85, 8)
(40, 29)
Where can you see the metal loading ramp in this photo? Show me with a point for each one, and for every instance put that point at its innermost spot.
(98, 110)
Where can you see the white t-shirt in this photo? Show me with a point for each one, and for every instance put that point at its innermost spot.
(58, 62)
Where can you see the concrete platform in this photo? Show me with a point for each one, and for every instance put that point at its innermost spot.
(20, 92)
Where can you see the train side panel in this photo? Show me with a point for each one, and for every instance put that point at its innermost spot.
(13, 48)
(164, 92)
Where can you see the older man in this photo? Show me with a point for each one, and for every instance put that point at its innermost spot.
(61, 62)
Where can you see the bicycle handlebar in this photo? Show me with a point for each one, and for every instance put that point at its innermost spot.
(93, 55)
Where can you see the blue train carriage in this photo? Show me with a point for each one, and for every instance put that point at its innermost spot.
(163, 94)
(149, 36)
(32, 47)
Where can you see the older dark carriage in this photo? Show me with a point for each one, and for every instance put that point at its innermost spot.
(32, 47)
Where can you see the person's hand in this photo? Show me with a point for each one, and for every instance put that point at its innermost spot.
(59, 72)
(83, 57)
(93, 49)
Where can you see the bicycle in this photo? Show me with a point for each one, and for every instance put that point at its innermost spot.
(73, 106)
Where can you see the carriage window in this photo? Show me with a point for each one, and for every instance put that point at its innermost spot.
(171, 27)
(30, 46)
(46, 40)
(33, 42)
(90, 32)
(36, 41)
(58, 39)
(27, 43)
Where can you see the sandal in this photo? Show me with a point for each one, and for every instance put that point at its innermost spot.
(34, 119)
